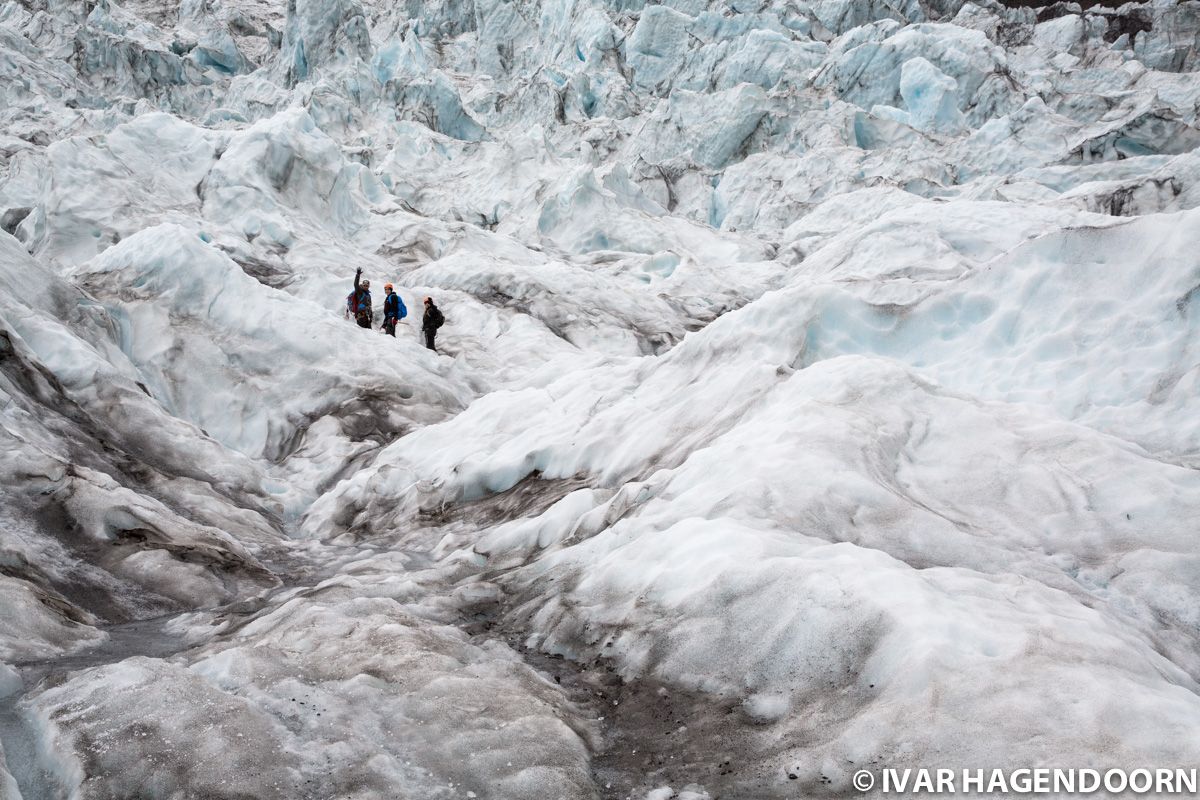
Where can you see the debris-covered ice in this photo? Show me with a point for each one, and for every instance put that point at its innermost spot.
(818, 393)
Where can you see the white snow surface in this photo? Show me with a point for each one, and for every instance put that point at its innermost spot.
(818, 392)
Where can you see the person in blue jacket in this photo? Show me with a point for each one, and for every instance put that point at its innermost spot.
(358, 303)
(393, 310)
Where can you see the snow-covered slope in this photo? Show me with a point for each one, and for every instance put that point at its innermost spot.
(818, 393)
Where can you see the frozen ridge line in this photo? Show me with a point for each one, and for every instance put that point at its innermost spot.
(817, 397)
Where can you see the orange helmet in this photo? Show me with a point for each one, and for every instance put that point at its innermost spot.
(387, 286)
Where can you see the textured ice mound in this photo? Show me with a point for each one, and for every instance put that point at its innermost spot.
(817, 393)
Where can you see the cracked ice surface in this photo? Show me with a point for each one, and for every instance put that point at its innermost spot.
(818, 392)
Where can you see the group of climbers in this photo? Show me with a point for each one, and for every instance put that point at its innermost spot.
(360, 308)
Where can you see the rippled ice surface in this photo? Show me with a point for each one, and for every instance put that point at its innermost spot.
(818, 393)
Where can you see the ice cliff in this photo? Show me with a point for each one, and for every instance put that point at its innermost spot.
(819, 393)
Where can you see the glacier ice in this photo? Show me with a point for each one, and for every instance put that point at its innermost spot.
(818, 392)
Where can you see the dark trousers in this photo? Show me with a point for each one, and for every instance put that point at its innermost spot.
(429, 334)
(389, 327)
(364, 322)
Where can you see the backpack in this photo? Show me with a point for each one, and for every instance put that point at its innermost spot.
(395, 306)
(358, 303)
(437, 318)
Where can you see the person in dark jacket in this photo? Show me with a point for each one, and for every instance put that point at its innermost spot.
(431, 322)
(393, 310)
(358, 303)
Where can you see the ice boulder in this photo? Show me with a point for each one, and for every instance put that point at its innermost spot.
(320, 33)
(930, 99)
(658, 46)
(706, 130)
(870, 72)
